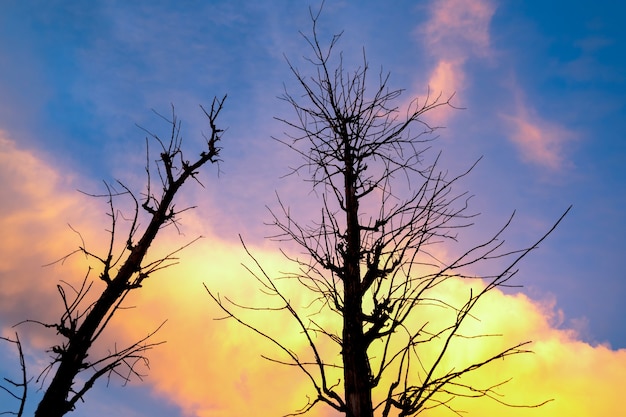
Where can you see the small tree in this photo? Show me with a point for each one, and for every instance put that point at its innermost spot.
(369, 258)
(123, 268)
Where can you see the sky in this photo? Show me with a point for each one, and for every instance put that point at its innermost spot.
(541, 92)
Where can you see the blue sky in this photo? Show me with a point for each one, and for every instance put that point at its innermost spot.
(542, 84)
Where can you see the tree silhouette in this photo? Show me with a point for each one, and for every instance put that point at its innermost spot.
(74, 366)
(370, 258)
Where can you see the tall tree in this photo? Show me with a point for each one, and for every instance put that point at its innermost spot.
(124, 268)
(369, 257)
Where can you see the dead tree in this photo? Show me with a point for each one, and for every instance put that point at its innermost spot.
(124, 268)
(370, 259)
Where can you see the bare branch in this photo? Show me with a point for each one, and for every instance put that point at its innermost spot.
(369, 257)
(15, 385)
(123, 268)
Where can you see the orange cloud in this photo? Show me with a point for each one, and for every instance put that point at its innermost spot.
(35, 200)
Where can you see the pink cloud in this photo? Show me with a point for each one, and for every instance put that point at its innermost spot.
(458, 28)
(539, 141)
(448, 77)
(456, 31)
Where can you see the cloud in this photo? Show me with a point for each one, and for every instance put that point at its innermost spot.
(539, 141)
(34, 201)
(209, 367)
(448, 77)
(455, 32)
(214, 368)
(581, 379)
(458, 31)
(458, 28)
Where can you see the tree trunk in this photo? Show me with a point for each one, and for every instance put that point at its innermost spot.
(357, 374)
(55, 401)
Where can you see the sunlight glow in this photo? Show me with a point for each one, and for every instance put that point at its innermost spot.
(214, 368)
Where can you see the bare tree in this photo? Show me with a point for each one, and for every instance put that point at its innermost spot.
(75, 366)
(370, 259)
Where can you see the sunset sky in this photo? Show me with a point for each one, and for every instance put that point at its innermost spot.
(542, 87)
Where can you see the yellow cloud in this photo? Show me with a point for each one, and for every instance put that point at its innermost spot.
(211, 367)
(214, 368)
